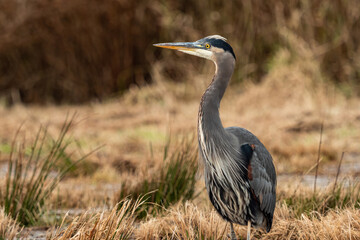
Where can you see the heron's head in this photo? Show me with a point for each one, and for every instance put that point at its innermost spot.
(212, 47)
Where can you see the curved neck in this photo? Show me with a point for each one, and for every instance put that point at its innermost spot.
(209, 117)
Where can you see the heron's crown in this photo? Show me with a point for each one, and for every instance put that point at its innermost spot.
(216, 37)
(219, 42)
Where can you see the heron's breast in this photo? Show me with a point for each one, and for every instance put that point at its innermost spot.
(231, 203)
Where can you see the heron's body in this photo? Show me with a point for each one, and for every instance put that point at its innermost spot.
(239, 173)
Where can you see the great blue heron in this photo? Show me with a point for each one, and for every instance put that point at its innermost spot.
(239, 172)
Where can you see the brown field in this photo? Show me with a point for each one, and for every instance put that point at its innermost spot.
(296, 87)
(286, 111)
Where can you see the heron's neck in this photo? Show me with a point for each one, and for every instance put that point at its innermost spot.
(209, 118)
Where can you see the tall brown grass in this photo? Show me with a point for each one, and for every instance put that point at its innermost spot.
(74, 51)
(115, 224)
(184, 222)
(190, 222)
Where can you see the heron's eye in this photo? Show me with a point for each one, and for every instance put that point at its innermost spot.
(207, 45)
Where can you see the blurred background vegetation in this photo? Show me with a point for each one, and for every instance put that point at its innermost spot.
(54, 51)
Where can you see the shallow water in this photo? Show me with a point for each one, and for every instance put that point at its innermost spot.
(349, 173)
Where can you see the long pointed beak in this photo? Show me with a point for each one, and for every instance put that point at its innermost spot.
(192, 48)
(187, 46)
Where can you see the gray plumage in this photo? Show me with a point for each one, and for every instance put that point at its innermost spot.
(239, 173)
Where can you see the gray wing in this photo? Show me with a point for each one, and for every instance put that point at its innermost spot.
(261, 170)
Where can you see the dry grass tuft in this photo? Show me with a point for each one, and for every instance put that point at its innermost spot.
(337, 224)
(9, 228)
(184, 222)
(116, 224)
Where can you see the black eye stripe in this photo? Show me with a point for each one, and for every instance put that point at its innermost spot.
(219, 43)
